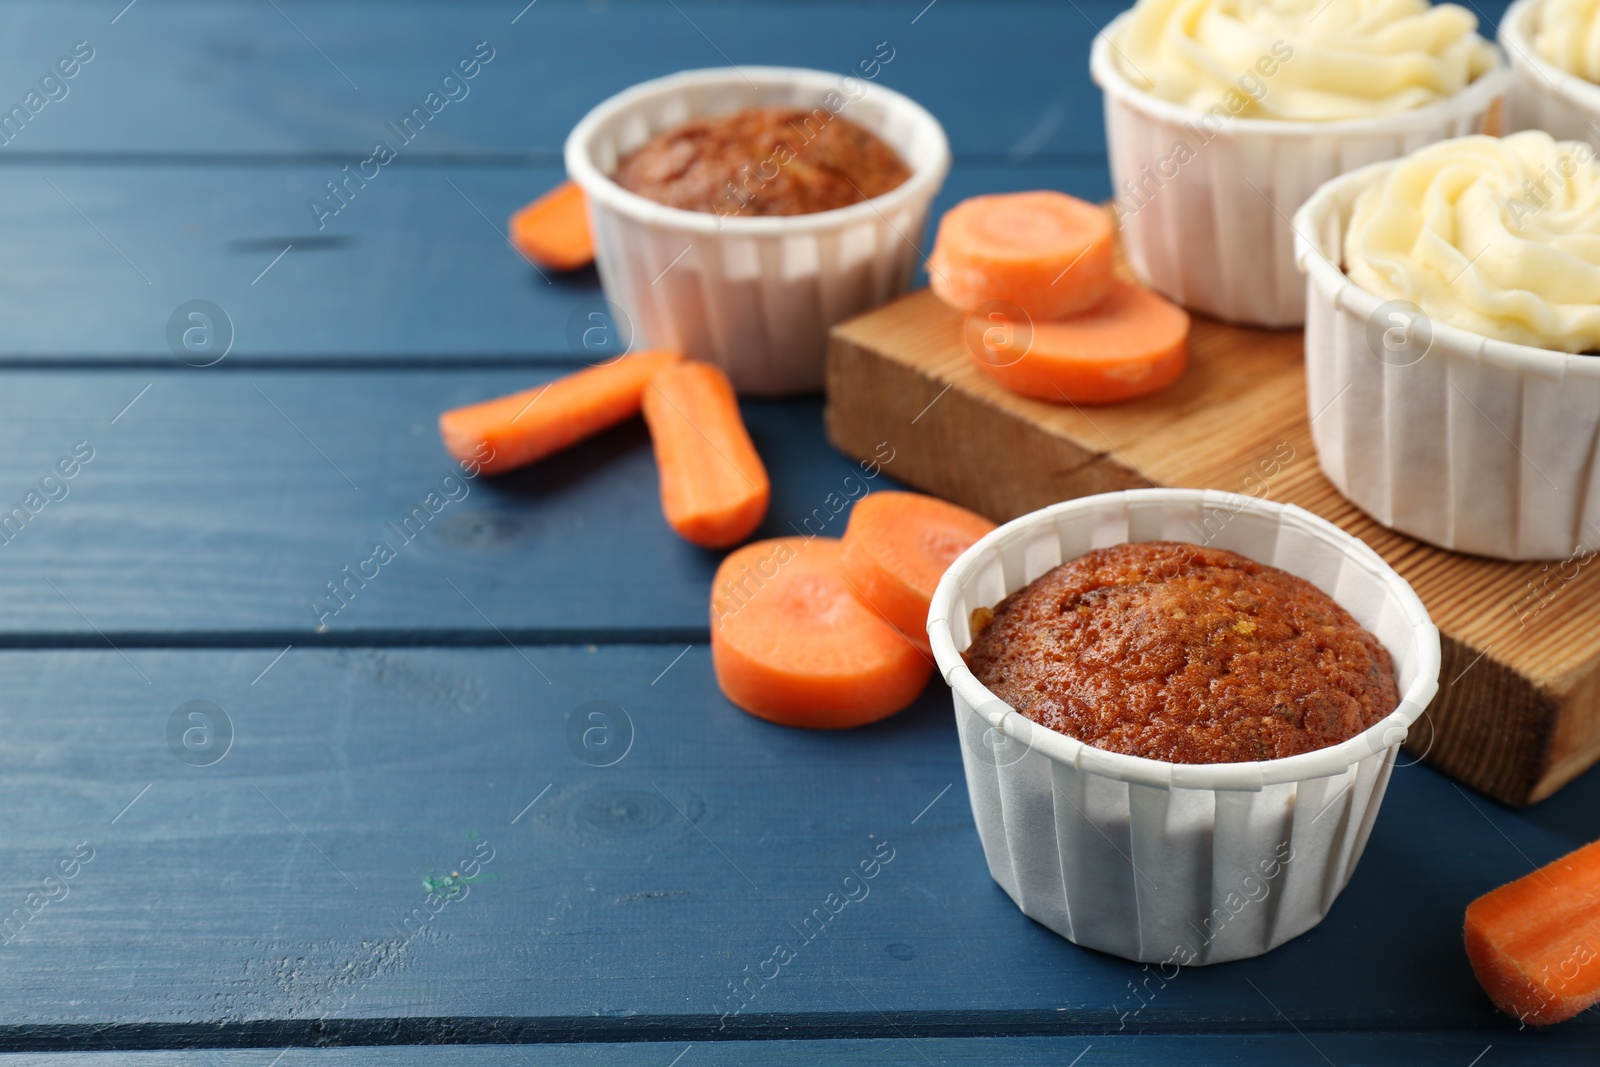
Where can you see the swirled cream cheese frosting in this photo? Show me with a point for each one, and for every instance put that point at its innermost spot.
(1302, 60)
(1497, 236)
(1567, 33)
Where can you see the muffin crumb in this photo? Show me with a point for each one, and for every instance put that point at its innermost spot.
(981, 618)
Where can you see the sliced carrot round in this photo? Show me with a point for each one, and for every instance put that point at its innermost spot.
(1131, 344)
(1046, 252)
(791, 643)
(896, 548)
(553, 231)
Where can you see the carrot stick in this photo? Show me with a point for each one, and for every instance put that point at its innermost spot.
(1048, 253)
(790, 642)
(714, 490)
(1535, 943)
(1131, 344)
(518, 429)
(553, 231)
(896, 548)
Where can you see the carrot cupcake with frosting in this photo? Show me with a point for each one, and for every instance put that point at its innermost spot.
(1554, 48)
(1222, 116)
(1455, 293)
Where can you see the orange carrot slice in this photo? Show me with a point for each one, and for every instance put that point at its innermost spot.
(553, 231)
(714, 490)
(1048, 253)
(499, 435)
(1131, 344)
(791, 643)
(1535, 943)
(896, 548)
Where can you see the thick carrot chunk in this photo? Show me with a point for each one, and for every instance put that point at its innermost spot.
(1535, 943)
(714, 489)
(896, 548)
(515, 430)
(1048, 253)
(553, 231)
(1131, 344)
(791, 643)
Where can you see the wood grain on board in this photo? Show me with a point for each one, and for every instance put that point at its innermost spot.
(1518, 710)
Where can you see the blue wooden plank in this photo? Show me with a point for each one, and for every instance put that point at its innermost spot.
(268, 896)
(218, 505)
(325, 78)
(1216, 1050)
(271, 896)
(1007, 80)
(416, 268)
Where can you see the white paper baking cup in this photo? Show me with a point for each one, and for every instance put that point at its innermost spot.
(1215, 236)
(754, 295)
(1543, 96)
(1163, 862)
(1469, 443)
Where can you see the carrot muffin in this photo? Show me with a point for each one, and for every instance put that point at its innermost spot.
(1184, 654)
(763, 161)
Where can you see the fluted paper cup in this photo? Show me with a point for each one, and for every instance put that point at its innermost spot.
(1175, 863)
(1543, 96)
(754, 295)
(1212, 232)
(1466, 442)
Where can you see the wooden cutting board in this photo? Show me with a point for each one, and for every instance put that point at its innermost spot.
(1518, 710)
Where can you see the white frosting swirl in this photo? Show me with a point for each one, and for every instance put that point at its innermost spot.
(1302, 60)
(1497, 236)
(1567, 33)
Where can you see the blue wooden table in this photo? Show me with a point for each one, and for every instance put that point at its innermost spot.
(257, 895)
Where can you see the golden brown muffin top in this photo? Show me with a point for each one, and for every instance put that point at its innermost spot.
(763, 161)
(1184, 654)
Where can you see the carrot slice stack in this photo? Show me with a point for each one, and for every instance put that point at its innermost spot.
(896, 548)
(1129, 345)
(499, 435)
(791, 643)
(1535, 943)
(714, 489)
(1046, 252)
(553, 231)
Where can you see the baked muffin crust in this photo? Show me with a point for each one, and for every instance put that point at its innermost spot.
(1184, 654)
(763, 161)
